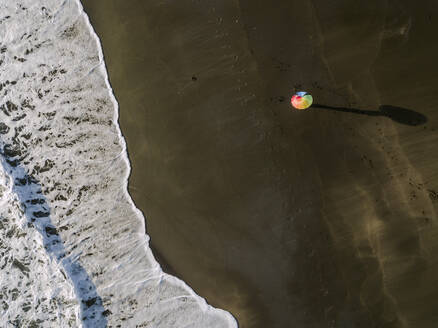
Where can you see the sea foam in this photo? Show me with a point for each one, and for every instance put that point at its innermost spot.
(73, 246)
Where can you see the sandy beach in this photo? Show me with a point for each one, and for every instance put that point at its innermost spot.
(285, 218)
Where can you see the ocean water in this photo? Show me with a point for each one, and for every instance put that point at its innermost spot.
(74, 252)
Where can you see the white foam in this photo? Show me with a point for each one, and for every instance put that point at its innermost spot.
(77, 254)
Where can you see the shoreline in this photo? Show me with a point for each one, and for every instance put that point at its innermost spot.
(168, 276)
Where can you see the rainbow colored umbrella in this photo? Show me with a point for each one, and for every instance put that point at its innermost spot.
(301, 100)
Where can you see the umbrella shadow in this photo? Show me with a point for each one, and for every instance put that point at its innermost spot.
(37, 212)
(397, 114)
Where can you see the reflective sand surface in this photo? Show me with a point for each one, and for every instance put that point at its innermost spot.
(316, 218)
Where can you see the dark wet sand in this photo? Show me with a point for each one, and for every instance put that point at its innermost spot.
(317, 218)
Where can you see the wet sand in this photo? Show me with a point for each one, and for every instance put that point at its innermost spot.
(316, 218)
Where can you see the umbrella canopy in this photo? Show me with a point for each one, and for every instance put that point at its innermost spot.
(301, 100)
